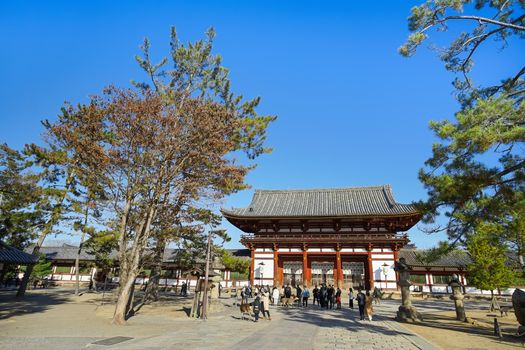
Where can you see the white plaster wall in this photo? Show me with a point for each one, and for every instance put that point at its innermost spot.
(391, 285)
(383, 256)
(314, 249)
(343, 250)
(266, 269)
(295, 250)
(263, 255)
(328, 250)
(360, 250)
(383, 284)
(377, 268)
(440, 289)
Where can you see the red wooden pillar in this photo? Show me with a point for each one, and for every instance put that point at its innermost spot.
(276, 279)
(370, 269)
(305, 268)
(339, 269)
(252, 274)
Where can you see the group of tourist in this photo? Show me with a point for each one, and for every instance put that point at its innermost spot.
(326, 296)
(261, 302)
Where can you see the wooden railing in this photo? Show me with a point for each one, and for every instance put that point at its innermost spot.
(324, 237)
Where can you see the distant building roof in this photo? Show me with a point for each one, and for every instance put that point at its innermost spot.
(337, 202)
(452, 259)
(69, 252)
(10, 255)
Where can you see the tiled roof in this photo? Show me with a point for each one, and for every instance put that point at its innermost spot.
(10, 255)
(338, 202)
(452, 259)
(68, 252)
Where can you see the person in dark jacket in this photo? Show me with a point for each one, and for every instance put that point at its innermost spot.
(331, 295)
(324, 296)
(287, 291)
(315, 293)
(298, 293)
(351, 298)
(256, 306)
(361, 300)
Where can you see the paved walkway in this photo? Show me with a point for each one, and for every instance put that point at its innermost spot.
(290, 328)
(64, 322)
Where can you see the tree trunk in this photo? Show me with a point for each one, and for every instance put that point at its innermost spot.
(132, 262)
(124, 294)
(77, 259)
(152, 290)
(29, 268)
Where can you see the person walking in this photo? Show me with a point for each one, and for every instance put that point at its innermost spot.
(376, 295)
(351, 298)
(305, 295)
(338, 298)
(316, 294)
(368, 305)
(256, 307)
(244, 295)
(276, 296)
(361, 300)
(184, 289)
(265, 303)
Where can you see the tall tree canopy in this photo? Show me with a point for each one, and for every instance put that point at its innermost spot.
(164, 152)
(476, 174)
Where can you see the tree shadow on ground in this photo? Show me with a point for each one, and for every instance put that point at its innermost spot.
(343, 318)
(32, 302)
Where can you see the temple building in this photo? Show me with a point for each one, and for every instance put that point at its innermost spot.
(349, 237)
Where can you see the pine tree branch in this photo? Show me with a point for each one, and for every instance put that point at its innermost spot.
(486, 20)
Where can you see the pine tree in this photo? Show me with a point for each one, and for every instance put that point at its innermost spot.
(476, 175)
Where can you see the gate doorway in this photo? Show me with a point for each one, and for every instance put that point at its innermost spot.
(322, 272)
(292, 273)
(354, 274)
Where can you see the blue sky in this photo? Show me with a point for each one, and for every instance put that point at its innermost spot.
(351, 111)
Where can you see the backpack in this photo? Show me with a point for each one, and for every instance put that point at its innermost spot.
(360, 299)
(256, 305)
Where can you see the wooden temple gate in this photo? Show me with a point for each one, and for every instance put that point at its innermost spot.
(346, 237)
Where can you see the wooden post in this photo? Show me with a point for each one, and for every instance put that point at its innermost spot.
(339, 268)
(276, 279)
(252, 273)
(370, 270)
(305, 267)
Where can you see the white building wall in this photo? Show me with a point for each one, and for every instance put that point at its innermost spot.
(263, 271)
(377, 268)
